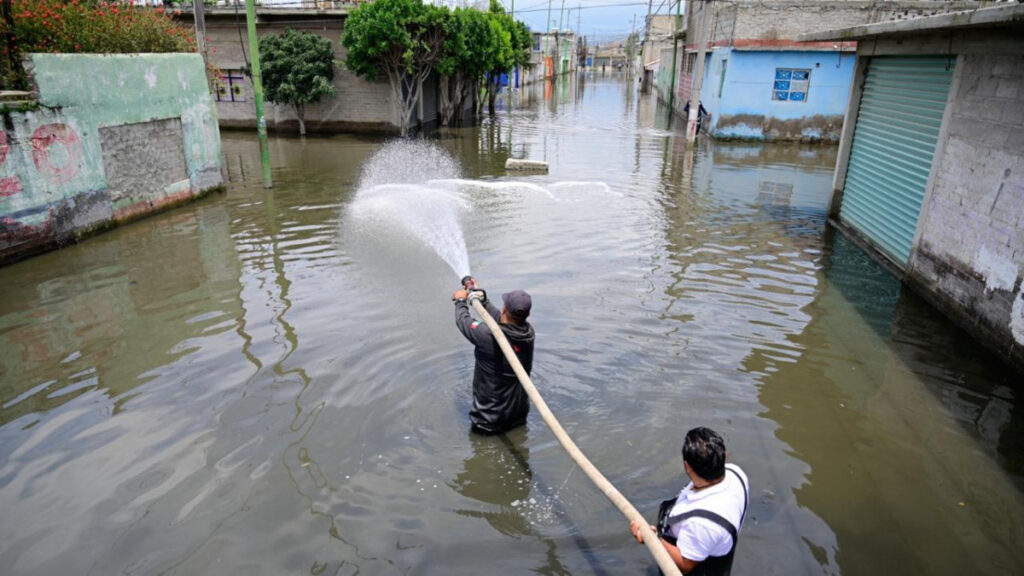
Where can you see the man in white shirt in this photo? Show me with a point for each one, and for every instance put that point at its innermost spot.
(700, 527)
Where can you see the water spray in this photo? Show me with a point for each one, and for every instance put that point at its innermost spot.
(392, 190)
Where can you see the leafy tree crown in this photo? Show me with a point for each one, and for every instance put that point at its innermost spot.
(297, 67)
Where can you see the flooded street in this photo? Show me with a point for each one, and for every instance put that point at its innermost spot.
(264, 382)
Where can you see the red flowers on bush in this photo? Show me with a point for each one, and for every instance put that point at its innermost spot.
(95, 27)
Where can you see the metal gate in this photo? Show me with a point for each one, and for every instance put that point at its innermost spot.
(898, 123)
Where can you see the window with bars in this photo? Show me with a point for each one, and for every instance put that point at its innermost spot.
(231, 87)
(791, 84)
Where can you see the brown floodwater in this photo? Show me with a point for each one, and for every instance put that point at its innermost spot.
(271, 382)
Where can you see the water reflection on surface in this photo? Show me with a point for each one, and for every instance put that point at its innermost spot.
(254, 383)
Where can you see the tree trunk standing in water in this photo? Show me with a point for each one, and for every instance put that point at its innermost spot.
(453, 98)
(492, 93)
(297, 69)
(465, 92)
(447, 103)
(300, 113)
(406, 90)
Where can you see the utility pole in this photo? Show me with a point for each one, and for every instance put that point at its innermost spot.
(547, 32)
(561, 14)
(675, 51)
(579, 13)
(257, 86)
(200, 18)
(698, 75)
(632, 49)
(512, 83)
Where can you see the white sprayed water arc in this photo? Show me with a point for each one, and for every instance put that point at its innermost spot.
(415, 187)
(395, 190)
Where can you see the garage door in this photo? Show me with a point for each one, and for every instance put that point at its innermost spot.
(894, 141)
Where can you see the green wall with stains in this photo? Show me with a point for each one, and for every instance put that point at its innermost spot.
(54, 181)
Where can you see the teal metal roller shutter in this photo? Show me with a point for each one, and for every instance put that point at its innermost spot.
(898, 123)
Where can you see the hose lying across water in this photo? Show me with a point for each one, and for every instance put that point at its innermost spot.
(651, 539)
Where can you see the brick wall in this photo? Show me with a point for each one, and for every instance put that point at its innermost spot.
(970, 246)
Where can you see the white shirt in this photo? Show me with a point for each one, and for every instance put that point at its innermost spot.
(698, 538)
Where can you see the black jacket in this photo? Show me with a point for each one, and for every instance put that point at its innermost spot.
(499, 401)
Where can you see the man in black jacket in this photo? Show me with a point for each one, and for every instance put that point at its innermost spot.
(499, 401)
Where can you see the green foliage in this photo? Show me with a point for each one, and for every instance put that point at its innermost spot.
(296, 67)
(89, 26)
(96, 27)
(513, 40)
(389, 35)
(405, 40)
(469, 47)
(522, 43)
(402, 39)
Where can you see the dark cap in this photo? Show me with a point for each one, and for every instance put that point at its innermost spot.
(518, 303)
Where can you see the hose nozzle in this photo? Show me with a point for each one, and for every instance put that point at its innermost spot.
(468, 282)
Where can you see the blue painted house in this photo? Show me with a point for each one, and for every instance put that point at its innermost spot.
(760, 83)
(776, 95)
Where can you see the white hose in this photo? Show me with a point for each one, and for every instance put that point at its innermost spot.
(651, 539)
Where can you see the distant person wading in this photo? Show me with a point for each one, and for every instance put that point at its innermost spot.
(499, 401)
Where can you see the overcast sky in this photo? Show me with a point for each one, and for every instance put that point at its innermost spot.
(600, 20)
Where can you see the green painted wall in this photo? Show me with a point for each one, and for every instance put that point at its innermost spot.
(52, 178)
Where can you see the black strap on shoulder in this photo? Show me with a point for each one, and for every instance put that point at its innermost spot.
(708, 515)
(745, 497)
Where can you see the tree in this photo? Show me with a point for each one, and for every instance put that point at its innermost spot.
(297, 69)
(511, 40)
(402, 39)
(468, 55)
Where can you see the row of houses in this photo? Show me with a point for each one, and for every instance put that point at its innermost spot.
(760, 82)
(926, 103)
(924, 99)
(358, 105)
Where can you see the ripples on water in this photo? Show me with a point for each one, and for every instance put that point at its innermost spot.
(271, 382)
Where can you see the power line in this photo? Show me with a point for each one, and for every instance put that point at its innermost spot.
(622, 5)
(537, 5)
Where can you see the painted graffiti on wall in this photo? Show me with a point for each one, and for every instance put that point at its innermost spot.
(47, 142)
(56, 154)
(11, 185)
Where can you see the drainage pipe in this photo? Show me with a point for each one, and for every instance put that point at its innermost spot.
(651, 539)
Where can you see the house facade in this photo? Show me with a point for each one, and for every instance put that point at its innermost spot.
(553, 54)
(658, 34)
(930, 171)
(761, 83)
(358, 105)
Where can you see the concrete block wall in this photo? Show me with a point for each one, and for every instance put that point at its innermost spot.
(786, 20)
(775, 24)
(663, 81)
(969, 253)
(109, 138)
